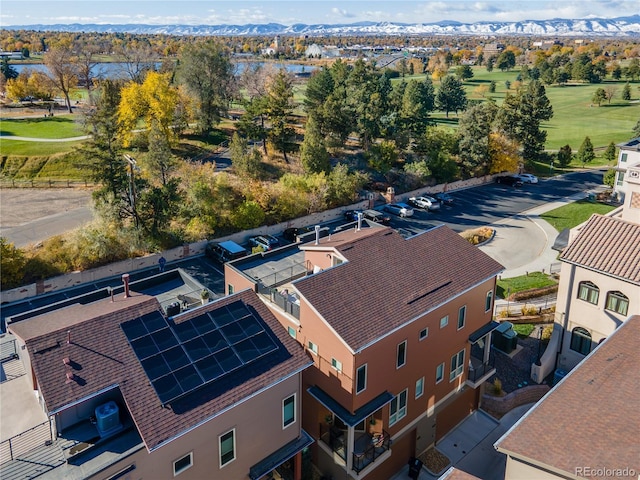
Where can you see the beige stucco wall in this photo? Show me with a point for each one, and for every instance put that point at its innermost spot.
(572, 312)
(517, 470)
(258, 433)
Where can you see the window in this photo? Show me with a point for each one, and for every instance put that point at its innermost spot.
(227, 447)
(313, 347)
(444, 321)
(620, 179)
(462, 315)
(623, 158)
(398, 407)
(457, 364)
(230, 289)
(439, 372)
(182, 464)
(580, 341)
(488, 301)
(361, 378)
(424, 333)
(288, 411)
(336, 364)
(588, 292)
(401, 358)
(292, 331)
(419, 387)
(617, 302)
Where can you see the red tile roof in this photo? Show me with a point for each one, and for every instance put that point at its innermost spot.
(102, 357)
(590, 419)
(608, 245)
(388, 280)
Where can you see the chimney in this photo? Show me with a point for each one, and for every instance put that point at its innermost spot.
(70, 378)
(359, 220)
(66, 360)
(317, 227)
(125, 279)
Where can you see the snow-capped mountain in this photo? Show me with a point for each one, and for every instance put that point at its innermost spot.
(621, 26)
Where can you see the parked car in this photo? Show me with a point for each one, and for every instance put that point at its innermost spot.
(510, 180)
(351, 215)
(444, 198)
(376, 216)
(225, 251)
(400, 209)
(268, 242)
(528, 178)
(291, 234)
(425, 202)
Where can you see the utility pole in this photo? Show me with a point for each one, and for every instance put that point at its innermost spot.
(133, 165)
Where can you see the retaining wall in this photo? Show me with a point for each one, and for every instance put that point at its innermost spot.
(521, 396)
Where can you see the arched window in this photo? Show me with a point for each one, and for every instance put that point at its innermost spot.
(588, 292)
(581, 340)
(617, 302)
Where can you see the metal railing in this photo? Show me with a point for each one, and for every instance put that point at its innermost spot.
(379, 444)
(26, 441)
(480, 368)
(8, 350)
(44, 183)
(335, 439)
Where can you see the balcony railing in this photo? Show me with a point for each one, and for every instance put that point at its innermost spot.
(368, 448)
(335, 438)
(479, 368)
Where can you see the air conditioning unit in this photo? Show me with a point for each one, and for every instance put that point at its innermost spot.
(108, 418)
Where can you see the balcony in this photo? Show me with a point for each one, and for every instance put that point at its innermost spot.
(480, 370)
(367, 447)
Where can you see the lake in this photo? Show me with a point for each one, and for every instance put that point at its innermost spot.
(118, 70)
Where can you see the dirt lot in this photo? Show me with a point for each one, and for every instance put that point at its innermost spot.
(22, 205)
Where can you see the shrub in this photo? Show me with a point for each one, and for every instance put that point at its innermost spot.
(497, 387)
(546, 333)
(529, 310)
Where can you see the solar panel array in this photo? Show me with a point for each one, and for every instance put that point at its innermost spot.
(181, 357)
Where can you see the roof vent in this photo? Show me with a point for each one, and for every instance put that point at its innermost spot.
(70, 377)
(317, 228)
(66, 360)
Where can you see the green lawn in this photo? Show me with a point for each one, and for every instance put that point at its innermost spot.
(23, 148)
(574, 214)
(59, 126)
(524, 282)
(524, 329)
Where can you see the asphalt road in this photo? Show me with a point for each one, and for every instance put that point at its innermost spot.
(487, 204)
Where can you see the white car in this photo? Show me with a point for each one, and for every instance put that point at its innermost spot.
(425, 202)
(400, 209)
(528, 178)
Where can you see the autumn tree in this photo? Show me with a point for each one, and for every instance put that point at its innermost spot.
(610, 92)
(12, 263)
(136, 60)
(60, 62)
(599, 96)
(159, 159)
(206, 70)
(245, 161)
(155, 100)
(585, 152)
(85, 60)
(504, 154)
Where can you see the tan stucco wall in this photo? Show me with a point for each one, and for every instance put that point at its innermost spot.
(258, 430)
(578, 313)
(517, 470)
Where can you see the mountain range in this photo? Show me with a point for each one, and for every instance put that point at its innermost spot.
(621, 26)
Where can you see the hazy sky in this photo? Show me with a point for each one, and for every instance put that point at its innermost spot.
(287, 12)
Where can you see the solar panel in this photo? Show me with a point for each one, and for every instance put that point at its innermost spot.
(181, 357)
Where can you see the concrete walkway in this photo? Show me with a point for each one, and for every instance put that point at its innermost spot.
(469, 446)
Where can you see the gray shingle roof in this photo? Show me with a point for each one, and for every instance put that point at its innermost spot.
(100, 349)
(608, 245)
(389, 280)
(591, 418)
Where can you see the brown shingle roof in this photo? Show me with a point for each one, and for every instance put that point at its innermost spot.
(608, 245)
(103, 357)
(591, 418)
(389, 281)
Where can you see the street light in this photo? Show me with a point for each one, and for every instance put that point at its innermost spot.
(538, 362)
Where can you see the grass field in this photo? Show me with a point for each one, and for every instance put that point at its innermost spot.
(22, 148)
(60, 126)
(574, 214)
(524, 282)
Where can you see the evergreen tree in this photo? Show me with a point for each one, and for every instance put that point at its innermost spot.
(7, 70)
(245, 161)
(564, 156)
(474, 129)
(451, 96)
(610, 153)
(626, 92)
(313, 153)
(418, 101)
(585, 152)
(599, 96)
(279, 106)
(506, 60)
